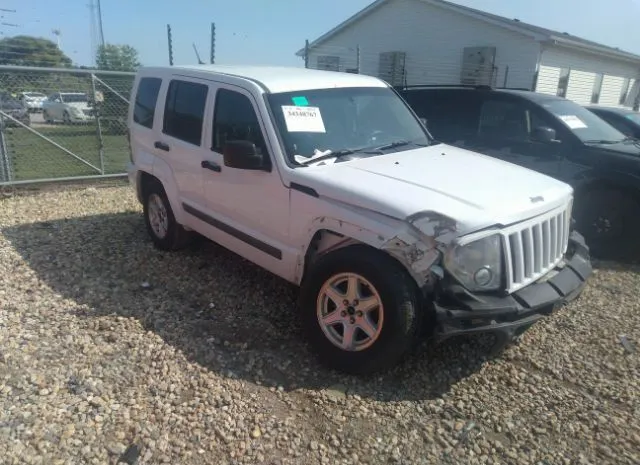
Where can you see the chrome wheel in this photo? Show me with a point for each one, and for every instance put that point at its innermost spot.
(350, 311)
(158, 218)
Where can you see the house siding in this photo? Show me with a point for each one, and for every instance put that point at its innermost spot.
(584, 67)
(433, 39)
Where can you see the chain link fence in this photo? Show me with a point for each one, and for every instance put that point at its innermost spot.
(59, 124)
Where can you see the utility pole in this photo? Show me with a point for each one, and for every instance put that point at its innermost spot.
(306, 53)
(213, 43)
(100, 31)
(170, 45)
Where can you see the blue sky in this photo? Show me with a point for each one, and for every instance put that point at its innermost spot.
(271, 31)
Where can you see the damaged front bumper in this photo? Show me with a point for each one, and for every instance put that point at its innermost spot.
(462, 313)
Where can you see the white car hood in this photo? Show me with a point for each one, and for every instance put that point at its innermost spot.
(473, 189)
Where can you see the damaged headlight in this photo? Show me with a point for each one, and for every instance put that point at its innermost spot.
(477, 265)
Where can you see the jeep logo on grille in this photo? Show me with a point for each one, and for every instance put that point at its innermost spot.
(536, 199)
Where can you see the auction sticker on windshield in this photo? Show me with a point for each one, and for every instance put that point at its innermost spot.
(573, 121)
(303, 119)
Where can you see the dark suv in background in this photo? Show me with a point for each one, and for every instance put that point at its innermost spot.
(554, 136)
(624, 120)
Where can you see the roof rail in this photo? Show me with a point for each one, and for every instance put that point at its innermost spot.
(466, 86)
(514, 88)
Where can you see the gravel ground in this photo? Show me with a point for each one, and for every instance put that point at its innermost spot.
(111, 350)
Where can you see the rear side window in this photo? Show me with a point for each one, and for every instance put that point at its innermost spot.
(145, 103)
(451, 115)
(235, 119)
(184, 111)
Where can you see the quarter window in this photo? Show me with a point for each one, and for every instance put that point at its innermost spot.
(145, 103)
(184, 111)
(235, 119)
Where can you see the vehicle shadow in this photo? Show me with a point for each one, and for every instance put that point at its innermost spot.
(218, 309)
(610, 265)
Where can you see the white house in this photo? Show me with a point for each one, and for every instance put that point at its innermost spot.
(410, 42)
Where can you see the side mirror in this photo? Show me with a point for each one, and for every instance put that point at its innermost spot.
(544, 134)
(242, 154)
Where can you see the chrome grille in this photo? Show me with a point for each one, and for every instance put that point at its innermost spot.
(534, 247)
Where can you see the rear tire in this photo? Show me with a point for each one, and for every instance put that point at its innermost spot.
(362, 338)
(47, 118)
(166, 233)
(609, 220)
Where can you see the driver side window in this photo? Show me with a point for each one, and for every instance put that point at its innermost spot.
(235, 119)
(512, 120)
(503, 119)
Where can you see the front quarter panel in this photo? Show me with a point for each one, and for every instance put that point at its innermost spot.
(592, 165)
(311, 215)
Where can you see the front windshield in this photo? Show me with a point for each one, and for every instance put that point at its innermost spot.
(586, 125)
(34, 94)
(73, 98)
(339, 119)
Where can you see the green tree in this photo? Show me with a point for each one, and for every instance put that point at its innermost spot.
(32, 51)
(117, 58)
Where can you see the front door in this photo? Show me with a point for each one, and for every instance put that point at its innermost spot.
(248, 208)
(506, 131)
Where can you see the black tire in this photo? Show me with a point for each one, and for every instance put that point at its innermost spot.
(176, 237)
(609, 220)
(403, 314)
(66, 118)
(46, 117)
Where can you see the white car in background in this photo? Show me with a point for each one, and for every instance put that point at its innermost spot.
(32, 101)
(69, 107)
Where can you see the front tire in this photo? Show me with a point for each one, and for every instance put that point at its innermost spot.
(360, 310)
(609, 220)
(166, 233)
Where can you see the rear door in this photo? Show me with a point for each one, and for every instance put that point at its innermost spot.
(505, 130)
(180, 138)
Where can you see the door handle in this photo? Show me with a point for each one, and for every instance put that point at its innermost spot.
(211, 166)
(161, 146)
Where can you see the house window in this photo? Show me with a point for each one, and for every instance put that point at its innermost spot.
(625, 91)
(597, 87)
(563, 83)
(328, 63)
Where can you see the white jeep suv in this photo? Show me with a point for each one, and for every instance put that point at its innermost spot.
(330, 181)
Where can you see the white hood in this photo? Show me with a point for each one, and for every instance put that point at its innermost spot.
(475, 190)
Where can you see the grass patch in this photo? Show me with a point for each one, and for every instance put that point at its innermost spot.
(34, 158)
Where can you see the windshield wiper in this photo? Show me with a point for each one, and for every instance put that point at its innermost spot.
(398, 143)
(602, 141)
(338, 153)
